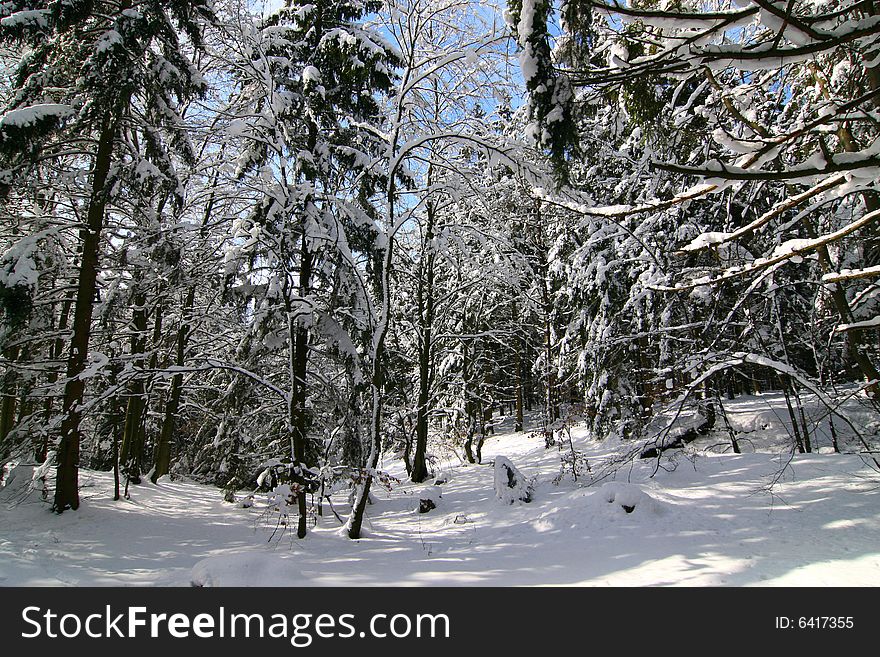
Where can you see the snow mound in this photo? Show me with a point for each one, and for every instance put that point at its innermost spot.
(429, 498)
(624, 498)
(245, 569)
(15, 480)
(590, 512)
(754, 421)
(409, 500)
(18, 482)
(510, 484)
(433, 493)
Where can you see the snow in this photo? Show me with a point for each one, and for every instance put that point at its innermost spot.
(29, 17)
(24, 117)
(311, 75)
(97, 362)
(683, 23)
(21, 269)
(706, 239)
(845, 274)
(872, 323)
(738, 146)
(790, 247)
(705, 519)
(242, 567)
(526, 22)
(618, 56)
(18, 482)
(624, 498)
(528, 63)
(511, 486)
(108, 41)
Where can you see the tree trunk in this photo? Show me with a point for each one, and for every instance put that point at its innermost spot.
(115, 466)
(25, 392)
(377, 380)
(419, 465)
(363, 491)
(550, 400)
(425, 298)
(166, 433)
(162, 464)
(470, 411)
(67, 477)
(299, 334)
(481, 430)
(854, 340)
(7, 406)
(132, 435)
(528, 380)
(518, 377)
(55, 352)
(794, 420)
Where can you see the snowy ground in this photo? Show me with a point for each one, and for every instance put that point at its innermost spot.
(708, 521)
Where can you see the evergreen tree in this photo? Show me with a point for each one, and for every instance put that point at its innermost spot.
(312, 82)
(90, 69)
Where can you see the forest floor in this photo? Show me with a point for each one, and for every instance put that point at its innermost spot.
(766, 518)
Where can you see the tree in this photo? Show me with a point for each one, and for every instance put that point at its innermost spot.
(431, 51)
(783, 194)
(89, 70)
(310, 77)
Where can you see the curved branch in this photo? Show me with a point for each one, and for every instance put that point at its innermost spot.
(737, 173)
(801, 248)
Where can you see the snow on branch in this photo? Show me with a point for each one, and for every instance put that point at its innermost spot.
(681, 19)
(788, 19)
(851, 274)
(737, 359)
(785, 251)
(622, 211)
(24, 117)
(872, 323)
(719, 170)
(715, 239)
(742, 358)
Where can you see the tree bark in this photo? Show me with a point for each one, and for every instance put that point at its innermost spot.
(470, 410)
(7, 407)
(377, 379)
(162, 459)
(55, 351)
(67, 476)
(518, 376)
(299, 369)
(425, 299)
(551, 400)
(132, 436)
(363, 492)
(854, 340)
(166, 434)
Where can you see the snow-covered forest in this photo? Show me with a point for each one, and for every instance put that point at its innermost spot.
(448, 274)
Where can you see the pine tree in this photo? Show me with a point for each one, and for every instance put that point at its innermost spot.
(312, 81)
(89, 70)
(771, 196)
